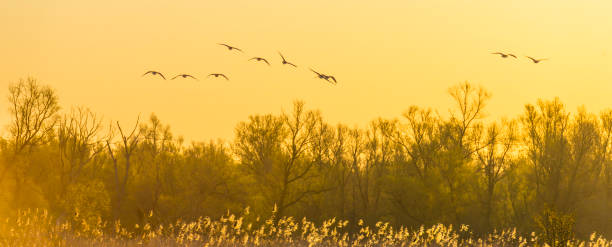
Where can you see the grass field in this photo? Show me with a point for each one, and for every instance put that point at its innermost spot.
(38, 228)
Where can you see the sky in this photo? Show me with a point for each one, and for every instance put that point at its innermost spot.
(386, 56)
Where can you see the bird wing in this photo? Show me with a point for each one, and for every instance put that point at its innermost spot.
(230, 47)
(512, 55)
(191, 76)
(210, 75)
(265, 61)
(281, 55)
(175, 77)
(162, 75)
(333, 78)
(532, 59)
(252, 58)
(315, 72)
(498, 53)
(224, 76)
(292, 64)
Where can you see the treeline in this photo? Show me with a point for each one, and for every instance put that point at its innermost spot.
(545, 169)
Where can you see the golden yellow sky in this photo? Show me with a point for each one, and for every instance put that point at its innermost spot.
(386, 55)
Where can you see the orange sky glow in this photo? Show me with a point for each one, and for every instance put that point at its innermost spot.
(386, 55)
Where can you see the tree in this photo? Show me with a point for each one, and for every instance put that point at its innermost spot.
(78, 144)
(548, 149)
(494, 162)
(156, 154)
(470, 102)
(584, 166)
(340, 169)
(33, 108)
(605, 144)
(459, 138)
(258, 148)
(207, 177)
(379, 153)
(356, 146)
(275, 151)
(128, 143)
(413, 183)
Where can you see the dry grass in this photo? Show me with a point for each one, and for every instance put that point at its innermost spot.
(38, 228)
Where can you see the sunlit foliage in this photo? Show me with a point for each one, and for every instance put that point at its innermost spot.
(546, 175)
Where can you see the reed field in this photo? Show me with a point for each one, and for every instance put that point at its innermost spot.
(38, 228)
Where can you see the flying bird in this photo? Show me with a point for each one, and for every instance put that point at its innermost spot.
(504, 55)
(285, 61)
(259, 59)
(229, 47)
(184, 76)
(325, 77)
(154, 73)
(537, 60)
(218, 74)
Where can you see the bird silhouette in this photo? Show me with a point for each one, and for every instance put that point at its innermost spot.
(218, 74)
(259, 59)
(331, 77)
(154, 73)
(285, 61)
(536, 60)
(321, 76)
(324, 76)
(184, 76)
(504, 55)
(229, 47)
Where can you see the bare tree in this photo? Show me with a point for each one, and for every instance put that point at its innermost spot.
(470, 102)
(297, 168)
(355, 147)
(275, 150)
(584, 166)
(494, 161)
(127, 145)
(340, 167)
(258, 145)
(378, 154)
(459, 142)
(78, 143)
(33, 108)
(157, 144)
(605, 144)
(417, 138)
(548, 150)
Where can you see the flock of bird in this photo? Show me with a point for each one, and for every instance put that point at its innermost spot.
(329, 78)
(506, 55)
